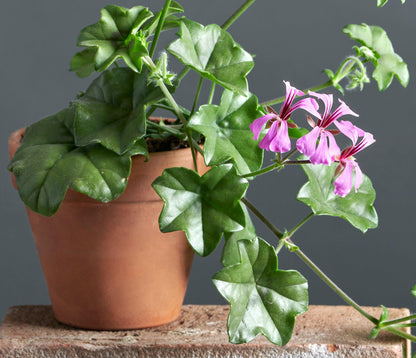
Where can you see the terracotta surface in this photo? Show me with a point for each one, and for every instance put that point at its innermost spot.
(108, 266)
(200, 332)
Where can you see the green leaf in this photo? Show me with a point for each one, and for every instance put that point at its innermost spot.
(264, 300)
(108, 36)
(387, 63)
(381, 3)
(227, 132)
(231, 251)
(212, 52)
(83, 62)
(203, 207)
(113, 109)
(318, 193)
(413, 291)
(47, 163)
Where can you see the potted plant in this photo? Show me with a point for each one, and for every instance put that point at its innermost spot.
(85, 152)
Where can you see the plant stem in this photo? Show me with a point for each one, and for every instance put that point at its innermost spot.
(237, 14)
(313, 89)
(294, 162)
(397, 321)
(182, 74)
(334, 287)
(211, 93)
(298, 226)
(400, 333)
(262, 171)
(159, 27)
(198, 91)
(268, 223)
(281, 163)
(168, 129)
(177, 110)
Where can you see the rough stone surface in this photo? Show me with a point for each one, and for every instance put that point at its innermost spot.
(200, 331)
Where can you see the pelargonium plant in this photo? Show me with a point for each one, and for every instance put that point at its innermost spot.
(88, 147)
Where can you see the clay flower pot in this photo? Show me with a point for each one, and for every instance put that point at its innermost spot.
(108, 266)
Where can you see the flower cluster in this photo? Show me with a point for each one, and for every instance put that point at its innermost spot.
(319, 144)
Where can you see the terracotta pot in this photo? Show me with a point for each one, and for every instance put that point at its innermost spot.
(107, 266)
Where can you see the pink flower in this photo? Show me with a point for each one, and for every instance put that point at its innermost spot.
(347, 164)
(277, 138)
(327, 149)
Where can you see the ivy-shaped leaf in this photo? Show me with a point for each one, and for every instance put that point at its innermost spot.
(387, 63)
(113, 109)
(381, 3)
(203, 207)
(108, 37)
(83, 62)
(47, 163)
(212, 52)
(264, 300)
(227, 132)
(318, 193)
(231, 251)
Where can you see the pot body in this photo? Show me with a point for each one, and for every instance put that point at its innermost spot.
(107, 265)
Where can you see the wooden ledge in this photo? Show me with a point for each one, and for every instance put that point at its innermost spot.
(200, 331)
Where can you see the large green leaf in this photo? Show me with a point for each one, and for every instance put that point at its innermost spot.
(113, 109)
(227, 132)
(212, 52)
(387, 63)
(47, 163)
(264, 300)
(203, 207)
(231, 251)
(318, 193)
(108, 37)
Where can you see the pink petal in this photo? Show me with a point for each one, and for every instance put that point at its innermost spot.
(342, 110)
(327, 99)
(271, 134)
(307, 144)
(349, 130)
(281, 142)
(308, 104)
(322, 153)
(334, 150)
(291, 93)
(343, 183)
(258, 124)
(358, 175)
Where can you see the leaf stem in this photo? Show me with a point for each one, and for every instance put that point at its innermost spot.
(177, 110)
(237, 14)
(268, 223)
(298, 226)
(281, 163)
(334, 287)
(294, 162)
(262, 171)
(168, 129)
(159, 27)
(211, 93)
(313, 89)
(397, 321)
(198, 91)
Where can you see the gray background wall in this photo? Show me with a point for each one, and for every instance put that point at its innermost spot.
(293, 40)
